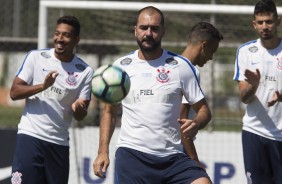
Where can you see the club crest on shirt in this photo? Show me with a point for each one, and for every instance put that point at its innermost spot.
(45, 54)
(162, 75)
(279, 63)
(171, 61)
(71, 79)
(126, 61)
(253, 49)
(16, 178)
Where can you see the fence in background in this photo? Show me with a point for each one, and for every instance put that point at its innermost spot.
(106, 34)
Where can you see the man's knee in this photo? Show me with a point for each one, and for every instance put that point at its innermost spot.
(202, 180)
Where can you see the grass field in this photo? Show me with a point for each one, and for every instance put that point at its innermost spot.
(10, 117)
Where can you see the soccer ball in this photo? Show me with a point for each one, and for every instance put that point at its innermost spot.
(110, 84)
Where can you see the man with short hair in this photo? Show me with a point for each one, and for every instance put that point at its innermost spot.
(149, 148)
(56, 86)
(203, 42)
(258, 72)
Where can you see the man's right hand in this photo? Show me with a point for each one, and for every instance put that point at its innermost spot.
(49, 79)
(101, 164)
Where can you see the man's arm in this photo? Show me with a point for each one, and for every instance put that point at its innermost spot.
(190, 127)
(107, 127)
(21, 90)
(203, 116)
(203, 113)
(191, 151)
(188, 144)
(79, 108)
(248, 88)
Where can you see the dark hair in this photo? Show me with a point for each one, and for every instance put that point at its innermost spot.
(204, 31)
(151, 9)
(265, 6)
(72, 21)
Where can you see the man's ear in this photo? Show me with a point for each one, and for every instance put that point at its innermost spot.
(135, 34)
(77, 39)
(278, 21)
(204, 44)
(254, 24)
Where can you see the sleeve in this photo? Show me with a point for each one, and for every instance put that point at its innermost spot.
(240, 65)
(184, 101)
(87, 85)
(26, 71)
(190, 83)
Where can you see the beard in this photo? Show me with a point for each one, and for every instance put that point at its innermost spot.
(267, 36)
(145, 47)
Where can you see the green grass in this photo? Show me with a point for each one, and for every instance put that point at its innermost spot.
(10, 116)
(223, 120)
(226, 126)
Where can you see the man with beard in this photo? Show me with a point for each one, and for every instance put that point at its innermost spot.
(56, 86)
(149, 148)
(258, 72)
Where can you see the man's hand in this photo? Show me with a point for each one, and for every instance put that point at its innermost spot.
(79, 108)
(253, 78)
(49, 79)
(248, 88)
(188, 128)
(274, 99)
(79, 105)
(101, 164)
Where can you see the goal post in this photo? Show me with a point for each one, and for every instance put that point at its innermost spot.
(131, 6)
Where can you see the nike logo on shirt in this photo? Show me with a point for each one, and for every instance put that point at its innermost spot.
(254, 63)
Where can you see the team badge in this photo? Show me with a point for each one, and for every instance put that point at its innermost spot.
(253, 49)
(162, 75)
(80, 67)
(71, 80)
(279, 63)
(171, 61)
(126, 61)
(45, 54)
(16, 178)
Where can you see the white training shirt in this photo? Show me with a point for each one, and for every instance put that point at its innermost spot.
(260, 119)
(191, 114)
(47, 115)
(152, 107)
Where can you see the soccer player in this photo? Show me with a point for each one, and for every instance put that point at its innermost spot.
(56, 86)
(149, 148)
(203, 42)
(258, 73)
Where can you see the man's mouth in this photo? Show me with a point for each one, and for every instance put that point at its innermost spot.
(60, 46)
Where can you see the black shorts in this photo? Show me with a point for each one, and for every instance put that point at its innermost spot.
(39, 162)
(135, 167)
(262, 159)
